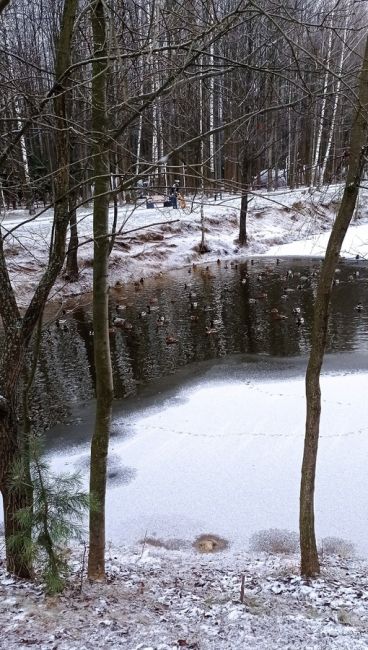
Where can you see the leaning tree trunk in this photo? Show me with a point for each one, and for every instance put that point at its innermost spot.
(18, 330)
(104, 384)
(358, 152)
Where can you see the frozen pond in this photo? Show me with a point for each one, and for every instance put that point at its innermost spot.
(222, 454)
(208, 432)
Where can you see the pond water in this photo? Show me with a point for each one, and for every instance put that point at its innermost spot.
(208, 430)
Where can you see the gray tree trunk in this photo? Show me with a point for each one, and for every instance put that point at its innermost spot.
(18, 330)
(358, 152)
(104, 383)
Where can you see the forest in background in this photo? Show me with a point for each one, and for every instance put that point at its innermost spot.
(99, 97)
(216, 94)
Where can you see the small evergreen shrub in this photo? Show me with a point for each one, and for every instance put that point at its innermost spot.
(53, 518)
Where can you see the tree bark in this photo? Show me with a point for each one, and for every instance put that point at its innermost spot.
(104, 382)
(243, 219)
(72, 271)
(358, 152)
(244, 200)
(18, 331)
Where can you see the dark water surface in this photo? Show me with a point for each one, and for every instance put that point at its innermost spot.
(211, 315)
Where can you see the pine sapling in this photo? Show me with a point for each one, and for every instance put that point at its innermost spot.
(55, 517)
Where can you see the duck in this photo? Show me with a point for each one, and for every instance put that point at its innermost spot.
(296, 310)
(300, 321)
(359, 307)
(211, 329)
(161, 320)
(193, 305)
(118, 322)
(62, 325)
(122, 323)
(170, 340)
(276, 314)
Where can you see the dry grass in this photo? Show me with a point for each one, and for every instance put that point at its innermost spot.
(337, 546)
(208, 543)
(275, 541)
(12, 251)
(168, 544)
(150, 236)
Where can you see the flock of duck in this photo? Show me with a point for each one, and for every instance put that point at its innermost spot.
(292, 282)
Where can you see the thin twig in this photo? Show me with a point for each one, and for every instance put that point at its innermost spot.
(83, 566)
(242, 588)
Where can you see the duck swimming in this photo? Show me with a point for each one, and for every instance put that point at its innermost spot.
(170, 340)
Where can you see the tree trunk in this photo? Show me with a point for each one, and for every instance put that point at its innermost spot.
(244, 200)
(315, 171)
(358, 151)
(18, 330)
(13, 500)
(72, 271)
(243, 219)
(104, 383)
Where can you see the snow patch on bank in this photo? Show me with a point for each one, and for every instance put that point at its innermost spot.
(153, 241)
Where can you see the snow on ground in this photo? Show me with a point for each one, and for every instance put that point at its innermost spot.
(169, 238)
(157, 599)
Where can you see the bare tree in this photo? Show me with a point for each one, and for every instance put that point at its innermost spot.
(18, 330)
(104, 382)
(358, 154)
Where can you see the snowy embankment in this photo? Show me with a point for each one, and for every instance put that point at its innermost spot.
(162, 600)
(152, 241)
